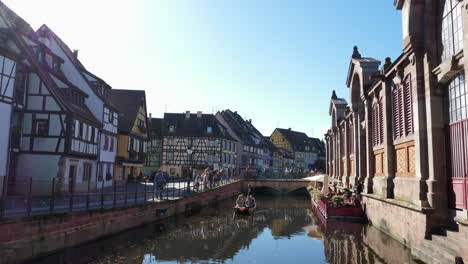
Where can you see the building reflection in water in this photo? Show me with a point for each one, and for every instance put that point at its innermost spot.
(216, 236)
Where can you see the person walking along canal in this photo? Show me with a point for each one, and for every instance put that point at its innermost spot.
(160, 181)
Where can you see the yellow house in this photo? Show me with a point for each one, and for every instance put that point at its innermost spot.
(279, 139)
(133, 133)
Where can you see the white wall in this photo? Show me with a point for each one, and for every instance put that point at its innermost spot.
(40, 167)
(5, 122)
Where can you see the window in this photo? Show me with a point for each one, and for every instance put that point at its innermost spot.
(377, 123)
(87, 169)
(109, 172)
(171, 128)
(111, 117)
(40, 56)
(56, 65)
(141, 123)
(101, 172)
(106, 143)
(42, 127)
(170, 156)
(111, 144)
(402, 109)
(209, 130)
(452, 28)
(458, 99)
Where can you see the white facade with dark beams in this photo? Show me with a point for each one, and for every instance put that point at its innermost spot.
(98, 92)
(9, 60)
(56, 135)
(193, 142)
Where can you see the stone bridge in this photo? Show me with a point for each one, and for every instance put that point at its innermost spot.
(279, 185)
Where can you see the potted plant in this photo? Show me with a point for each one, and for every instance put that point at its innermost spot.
(338, 201)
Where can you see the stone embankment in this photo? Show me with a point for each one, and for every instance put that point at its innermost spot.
(27, 238)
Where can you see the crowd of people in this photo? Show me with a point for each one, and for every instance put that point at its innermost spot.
(210, 178)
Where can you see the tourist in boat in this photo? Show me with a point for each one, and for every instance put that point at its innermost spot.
(241, 206)
(250, 190)
(251, 203)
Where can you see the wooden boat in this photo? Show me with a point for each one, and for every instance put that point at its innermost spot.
(242, 211)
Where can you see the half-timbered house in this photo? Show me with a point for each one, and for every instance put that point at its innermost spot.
(193, 142)
(10, 58)
(98, 92)
(155, 150)
(132, 133)
(306, 150)
(59, 134)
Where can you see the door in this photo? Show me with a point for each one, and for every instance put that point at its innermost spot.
(458, 143)
(71, 178)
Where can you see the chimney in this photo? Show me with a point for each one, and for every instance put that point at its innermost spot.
(289, 129)
(199, 114)
(250, 121)
(75, 54)
(187, 114)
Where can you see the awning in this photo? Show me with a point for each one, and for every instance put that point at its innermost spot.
(320, 178)
(132, 164)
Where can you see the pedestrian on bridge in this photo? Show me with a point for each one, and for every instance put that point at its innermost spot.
(160, 181)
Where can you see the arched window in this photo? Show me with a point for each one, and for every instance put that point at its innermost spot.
(451, 28)
(402, 101)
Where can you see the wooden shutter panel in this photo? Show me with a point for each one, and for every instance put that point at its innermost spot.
(408, 104)
(381, 123)
(375, 120)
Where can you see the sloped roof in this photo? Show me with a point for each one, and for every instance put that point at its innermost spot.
(156, 125)
(19, 29)
(45, 31)
(128, 103)
(194, 126)
(298, 140)
(243, 129)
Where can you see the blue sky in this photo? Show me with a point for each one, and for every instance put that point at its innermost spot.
(275, 62)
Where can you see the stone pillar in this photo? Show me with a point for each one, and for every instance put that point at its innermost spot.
(389, 168)
(437, 117)
(345, 141)
(327, 152)
(369, 153)
(357, 145)
(420, 128)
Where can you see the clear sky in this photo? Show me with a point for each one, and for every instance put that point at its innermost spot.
(274, 61)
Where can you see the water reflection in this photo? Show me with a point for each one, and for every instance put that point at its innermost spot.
(283, 230)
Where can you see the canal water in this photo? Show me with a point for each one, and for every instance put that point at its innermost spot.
(283, 230)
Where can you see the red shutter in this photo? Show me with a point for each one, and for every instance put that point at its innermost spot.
(351, 138)
(398, 111)
(396, 117)
(408, 104)
(381, 123)
(375, 124)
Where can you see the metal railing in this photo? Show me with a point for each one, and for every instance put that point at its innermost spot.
(30, 197)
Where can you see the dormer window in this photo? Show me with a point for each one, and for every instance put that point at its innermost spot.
(40, 56)
(56, 65)
(209, 130)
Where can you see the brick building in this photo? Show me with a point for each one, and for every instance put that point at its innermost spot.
(405, 129)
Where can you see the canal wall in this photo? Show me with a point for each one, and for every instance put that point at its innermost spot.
(32, 237)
